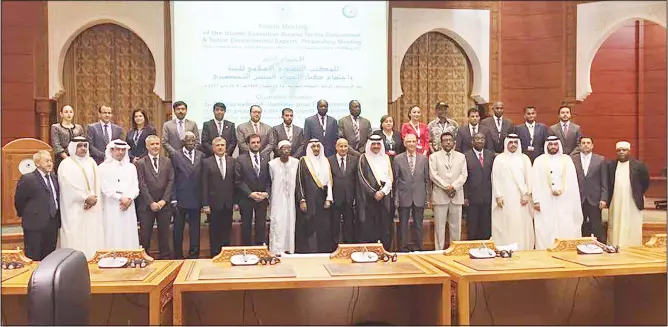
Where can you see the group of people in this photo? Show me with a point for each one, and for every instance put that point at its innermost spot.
(331, 181)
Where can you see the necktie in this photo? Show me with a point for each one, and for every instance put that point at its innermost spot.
(480, 158)
(190, 156)
(257, 131)
(356, 131)
(411, 163)
(220, 167)
(288, 131)
(106, 134)
(565, 129)
(53, 205)
(343, 165)
(257, 165)
(322, 122)
(449, 160)
(155, 164)
(220, 129)
(180, 131)
(474, 130)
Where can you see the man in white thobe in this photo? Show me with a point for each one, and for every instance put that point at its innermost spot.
(282, 210)
(511, 191)
(80, 211)
(628, 180)
(119, 187)
(556, 196)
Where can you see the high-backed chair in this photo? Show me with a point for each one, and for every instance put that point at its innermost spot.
(59, 290)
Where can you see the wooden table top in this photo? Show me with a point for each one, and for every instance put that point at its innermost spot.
(308, 272)
(163, 272)
(536, 264)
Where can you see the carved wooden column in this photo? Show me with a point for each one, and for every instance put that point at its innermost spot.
(43, 110)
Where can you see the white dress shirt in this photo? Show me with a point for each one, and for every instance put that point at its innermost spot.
(53, 189)
(155, 166)
(338, 161)
(586, 160)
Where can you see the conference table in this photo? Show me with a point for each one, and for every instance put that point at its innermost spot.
(311, 289)
(120, 296)
(556, 286)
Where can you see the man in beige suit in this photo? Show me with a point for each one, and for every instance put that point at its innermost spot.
(173, 131)
(254, 126)
(447, 169)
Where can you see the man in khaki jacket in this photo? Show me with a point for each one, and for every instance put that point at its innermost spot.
(447, 169)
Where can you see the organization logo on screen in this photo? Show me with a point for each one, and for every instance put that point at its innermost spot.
(349, 11)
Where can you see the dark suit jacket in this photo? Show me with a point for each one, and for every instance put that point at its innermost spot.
(399, 145)
(245, 179)
(347, 131)
(313, 130)
(593, 186)
(570, 142)
(218, 193)
(639, 181)
(97, 145)
(139, 149)
(344, 185)
(539, 136)
(478, 186)
(31, 201)
(278, 134)
(463, 138)
(187, 180)
(154, 187)
(412, 189)
(507, 127)
(210, 132)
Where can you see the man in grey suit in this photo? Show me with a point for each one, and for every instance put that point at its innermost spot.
(411, 175)
(355, 129)
(593, 182)
(156, 183)
(322, 127)
(254, 126)
(286, 131)
(174, 130)
(568, 132)
(101, 133)
(499, 127)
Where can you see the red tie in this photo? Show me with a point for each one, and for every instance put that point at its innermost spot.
(480, 159)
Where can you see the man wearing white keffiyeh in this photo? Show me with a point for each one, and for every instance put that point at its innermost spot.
(511, 195)
(282, 210)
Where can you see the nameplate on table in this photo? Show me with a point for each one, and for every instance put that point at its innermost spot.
(607, 259)
(11, 273)
(376, 268)
(514, 263)
(120, 274)
(257, 271)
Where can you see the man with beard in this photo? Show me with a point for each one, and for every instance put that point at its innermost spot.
(314, 195)
(556, 196)
(593, 184)
(254, 185)
(511, 192)
(286, 131)
(355, 129)
(283, 172)
(628, 180)
(375, 180)
(440, 125)
(322, 127)
(254, 126)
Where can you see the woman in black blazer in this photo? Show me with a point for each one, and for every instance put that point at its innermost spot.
(136, 137)
(391, 138)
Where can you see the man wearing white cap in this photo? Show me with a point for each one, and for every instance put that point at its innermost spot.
(282, 212)
(556, 196)
(628, 180)
(119, 187)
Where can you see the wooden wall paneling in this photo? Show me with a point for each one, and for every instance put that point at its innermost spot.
(640, 103)
(654, 97)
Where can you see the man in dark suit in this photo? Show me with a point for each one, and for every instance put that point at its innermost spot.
(187, 199)
(156, 182)
(101, 133)
(355, 129)
(286, 131)
(498, 126)
(218, 127)
(411, 175)
(322, 127)
(218, 194)
(478, 190)
(36, 202)
(344, 182)
(464, 137)
(254, 185)
(568, 132)
(593, 183)
(532, 134)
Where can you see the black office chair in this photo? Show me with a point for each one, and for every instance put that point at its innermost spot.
(59, 290)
